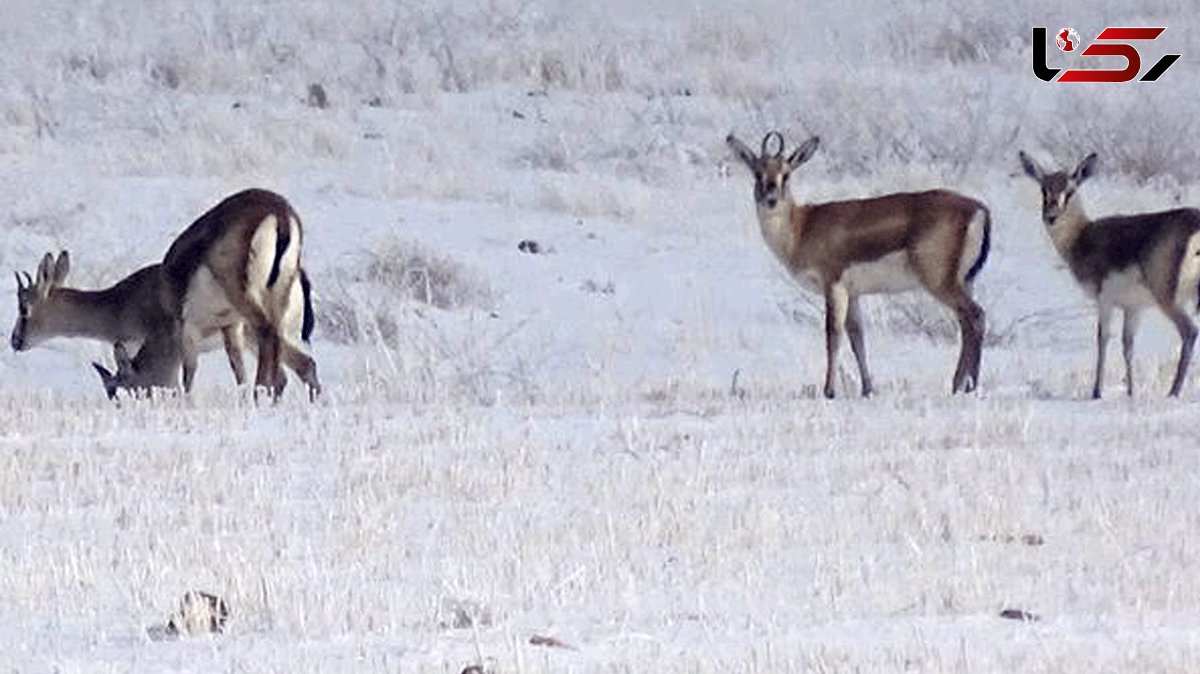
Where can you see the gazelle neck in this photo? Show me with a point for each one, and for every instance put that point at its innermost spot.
(780, 229)
(84, 313)
(1069, 225)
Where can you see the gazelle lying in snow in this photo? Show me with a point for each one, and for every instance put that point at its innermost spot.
(1126, 261)
(936, 240)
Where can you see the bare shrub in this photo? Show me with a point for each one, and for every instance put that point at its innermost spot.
(408, 270)
(360, 302)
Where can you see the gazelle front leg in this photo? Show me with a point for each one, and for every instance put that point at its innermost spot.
(854, 331)
(1127, 333)
(234, 344)
(189, 353)
(1103, 318)
(837, 305)
(269, 375)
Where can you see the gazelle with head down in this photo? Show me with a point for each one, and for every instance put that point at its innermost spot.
(937, 241)
(158, 362)
(130, 311)
(139, 315)
(238, 265)
(138, 312)
(1125, 261)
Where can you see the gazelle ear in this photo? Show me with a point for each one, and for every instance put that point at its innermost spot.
(62, 267)
(804, 152)
(1031, 167)
(742, 151)
(108, 379)
(45, 272)
(1085, 169)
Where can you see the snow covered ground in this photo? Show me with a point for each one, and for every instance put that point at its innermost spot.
(515, 446)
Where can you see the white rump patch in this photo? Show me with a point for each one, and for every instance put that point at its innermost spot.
(260, 258)
(972, 244)
(293, 314)
(1189, 275)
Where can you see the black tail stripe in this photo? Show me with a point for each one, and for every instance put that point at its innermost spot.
(283, 236)
(984, 248)
(309, 323)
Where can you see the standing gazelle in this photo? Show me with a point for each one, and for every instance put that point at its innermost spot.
(1126, 261)
(936, 240)
(158, 362)
(240, 263)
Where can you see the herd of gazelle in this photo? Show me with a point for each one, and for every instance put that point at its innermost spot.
(939, 240)
(236, 270)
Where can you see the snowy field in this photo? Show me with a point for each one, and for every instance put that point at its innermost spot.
(515, 449)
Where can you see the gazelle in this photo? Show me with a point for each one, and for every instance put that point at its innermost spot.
(936, 240)
(239, 263)
(1125, 261)
(139, 311)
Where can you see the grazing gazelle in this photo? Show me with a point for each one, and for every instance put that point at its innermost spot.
(239, 263)
(936, 240)
(139, 312)
(157, 364)
(1126, 261)
(130, 312)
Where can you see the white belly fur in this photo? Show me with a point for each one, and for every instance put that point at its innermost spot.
(1126, 288)
(809, 280)
(275, 300)
(206, 307)
(888, 274)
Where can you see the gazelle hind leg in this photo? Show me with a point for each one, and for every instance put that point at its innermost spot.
(837, 304)
(971, 321)
(269, 374)
(1187, 335)
(1127, 333)
(303, 365)
(854, 330)
(1103, 318)
(190, 362)
(978, 318)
